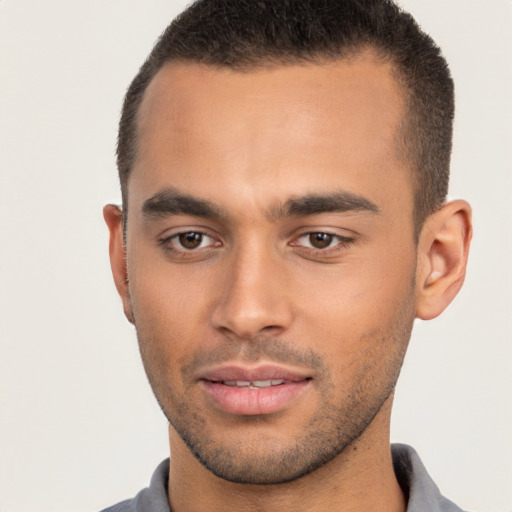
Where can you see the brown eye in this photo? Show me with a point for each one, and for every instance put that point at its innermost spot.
(320, 240)
(190, 240)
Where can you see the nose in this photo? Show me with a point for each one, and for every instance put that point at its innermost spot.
(254, 296)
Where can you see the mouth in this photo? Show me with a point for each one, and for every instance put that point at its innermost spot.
(254, 391)
(255, 384)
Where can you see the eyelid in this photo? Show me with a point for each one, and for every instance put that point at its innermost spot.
(343, 242)
(168, 240)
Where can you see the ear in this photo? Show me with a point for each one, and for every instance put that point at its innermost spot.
(442, 258)
(114, 218)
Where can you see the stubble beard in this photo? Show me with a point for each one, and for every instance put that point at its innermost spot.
(324, 437)
(335, 425)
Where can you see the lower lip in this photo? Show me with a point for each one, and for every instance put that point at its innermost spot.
(243, 400)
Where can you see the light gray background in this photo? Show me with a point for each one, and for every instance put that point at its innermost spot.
(79, 427)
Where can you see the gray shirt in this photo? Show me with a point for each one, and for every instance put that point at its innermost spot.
(420, 490)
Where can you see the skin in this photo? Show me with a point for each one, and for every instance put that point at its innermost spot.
(250, 146)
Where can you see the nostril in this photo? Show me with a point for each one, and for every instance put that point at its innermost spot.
(248, 311)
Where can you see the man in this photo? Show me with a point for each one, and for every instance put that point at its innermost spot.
(284, 169)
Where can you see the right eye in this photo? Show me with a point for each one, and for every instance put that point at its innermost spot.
(319, 240)
(191, 240)
(188, 241)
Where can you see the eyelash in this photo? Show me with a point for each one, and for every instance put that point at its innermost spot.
(170, 243)
(341, 242)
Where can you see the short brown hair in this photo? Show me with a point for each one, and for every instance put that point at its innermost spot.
(245, 34)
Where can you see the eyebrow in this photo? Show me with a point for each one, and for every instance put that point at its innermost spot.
(316, 204)
(172, 202)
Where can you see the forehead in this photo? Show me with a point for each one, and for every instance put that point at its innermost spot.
(306, 123)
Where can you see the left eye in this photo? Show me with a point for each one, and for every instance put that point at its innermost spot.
(191, 240)
(320, 240)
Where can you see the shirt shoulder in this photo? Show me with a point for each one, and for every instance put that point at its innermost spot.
(149, 499)
(123, 506)
(422, 493)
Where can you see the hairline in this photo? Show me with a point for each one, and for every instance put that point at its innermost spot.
(403, 150)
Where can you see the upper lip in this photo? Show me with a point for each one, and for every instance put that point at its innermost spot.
(234, 372)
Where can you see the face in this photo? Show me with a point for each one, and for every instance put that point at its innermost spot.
(271, 260)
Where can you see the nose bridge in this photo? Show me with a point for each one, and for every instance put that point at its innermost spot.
(253, 295)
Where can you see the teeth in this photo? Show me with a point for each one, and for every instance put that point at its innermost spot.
(239, 383)
(253, 384)
(262, 383)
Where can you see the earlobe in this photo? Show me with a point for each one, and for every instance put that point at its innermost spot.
(114, 219)
(442, 258)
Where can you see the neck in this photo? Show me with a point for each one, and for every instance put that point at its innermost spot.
(359, 479)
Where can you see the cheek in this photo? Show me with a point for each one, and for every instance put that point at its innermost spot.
(349, 307)
(170, 313)
(165, 293)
